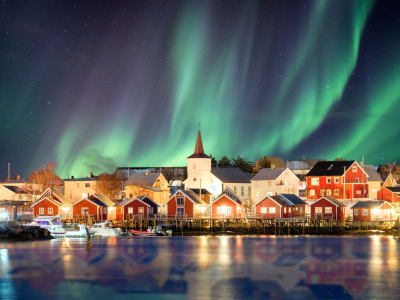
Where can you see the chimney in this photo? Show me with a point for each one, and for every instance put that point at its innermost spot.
(18, 177)
(147, 172)
(72, 177)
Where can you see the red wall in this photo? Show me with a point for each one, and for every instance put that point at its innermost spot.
(224, 201)
(368, 218)
(93, 210)
(135, 204)
(325, 203)
(188, 206)
(152, 204)
(350, 186)
(385, 194)
(267, 202)
(45, 204)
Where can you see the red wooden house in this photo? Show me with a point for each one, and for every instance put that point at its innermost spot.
(131, 207)
(328, 208)
(273, 207)
(51, 203)
(227, 205)
(344, 180)
(374, 210)
(299, 209)
(185, 203)
(154, 207)
(390, 194)
(95, 206)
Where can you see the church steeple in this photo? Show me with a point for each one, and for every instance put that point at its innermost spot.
(199, 150)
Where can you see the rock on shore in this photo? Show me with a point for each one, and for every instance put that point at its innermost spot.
(14, 232)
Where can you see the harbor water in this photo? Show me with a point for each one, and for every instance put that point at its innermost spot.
(203, 267)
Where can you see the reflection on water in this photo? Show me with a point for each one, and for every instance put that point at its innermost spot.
(203, 268)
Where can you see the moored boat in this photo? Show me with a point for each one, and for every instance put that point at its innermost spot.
(51, 223)
(104, 229)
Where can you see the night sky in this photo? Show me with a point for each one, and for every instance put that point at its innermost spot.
(93, 85)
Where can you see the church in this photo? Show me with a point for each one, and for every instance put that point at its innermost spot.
(200, 175)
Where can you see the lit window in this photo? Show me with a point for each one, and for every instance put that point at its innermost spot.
(328, 193)
(315, 181)
(328, 180)
(224, 209)
(356, 211)
(355, 169)
(318, 210)
(336, 179)
(50, 210)
(301, 209)
(336, 192)
(358, 192)
(365, 212)
(141, 210)
(312, 192)
(272, 210)
(284, 210)
(41, 210)
(328, 210)
(87, 185)
(242, 191)
(322, 193)
(235, 189)
(263, 210)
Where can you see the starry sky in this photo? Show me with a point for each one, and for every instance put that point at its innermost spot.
(92, 85)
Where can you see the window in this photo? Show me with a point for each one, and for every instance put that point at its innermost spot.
(84, 211)
(365, 212)
(290, 209)
(41, 210)
(249, 191)
(357, 180)
(263, 210)
(329, 193)
(328, 210)
(180, 211)
(180, 201)
(336, 179)
(301, 209)
(272, 210)
(322, 193)
(50, 210)
(336, 192)
(354, 169)
(318, 210)
(315, 181)
(235, 189)
(224, 210)
(328, 180)
(284, 210)
(87, 185)
(141, 210)
(242, 191)
(104, 210)
(356, 211)
(358, 192)
(130, 195)
(312, 192)
(130, 210)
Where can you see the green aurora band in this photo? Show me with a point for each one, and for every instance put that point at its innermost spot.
(209, 80)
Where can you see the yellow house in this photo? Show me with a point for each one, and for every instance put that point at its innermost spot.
(390, 181)
(152, 185)
(77, 188)
(374, 181)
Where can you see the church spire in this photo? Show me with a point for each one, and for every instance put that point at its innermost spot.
(199, 150)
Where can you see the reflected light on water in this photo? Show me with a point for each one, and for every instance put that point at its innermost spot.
(7, 290)
(224, 257)
(203, 258)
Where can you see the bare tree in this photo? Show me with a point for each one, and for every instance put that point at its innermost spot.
(110, 185)
(261, 163)
(44, 178)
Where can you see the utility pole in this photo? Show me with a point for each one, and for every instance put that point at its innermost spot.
(9, 172)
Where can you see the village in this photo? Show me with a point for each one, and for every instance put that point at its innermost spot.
(339, 191)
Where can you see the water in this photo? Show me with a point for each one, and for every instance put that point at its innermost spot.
(202, 268)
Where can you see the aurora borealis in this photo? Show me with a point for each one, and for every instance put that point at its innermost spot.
(93, 85)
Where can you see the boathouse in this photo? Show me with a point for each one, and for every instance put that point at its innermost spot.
(374, 210)
(227, 205)
(299, 209)
(390, 194)
(328, 208)
(130, 207)
(185, 203)
(273, 207)
(52, 203)
(94, 206)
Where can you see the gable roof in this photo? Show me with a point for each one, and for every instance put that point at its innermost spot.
(370, 204)
(293, 199)
(372, 173)
(390, 177)
(332, 200)
(230, 195)
(97, 199)
(142, 179)
(203, 191)
(147, 198)
(198, 149)
(394, 189)
(330, 168)
(231, 175)
(188, 194)
(281, 201)
(129, 200)
(298, 165)
(268, 174)
(52, 195)
(15, 189)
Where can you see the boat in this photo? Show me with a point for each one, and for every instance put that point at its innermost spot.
(143, 233)
(77, 231)
(104, 229)
(51, 223)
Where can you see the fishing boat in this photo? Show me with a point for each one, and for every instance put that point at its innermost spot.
(51, 223)
(104, 229)
(143, 233)
(75, 231)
